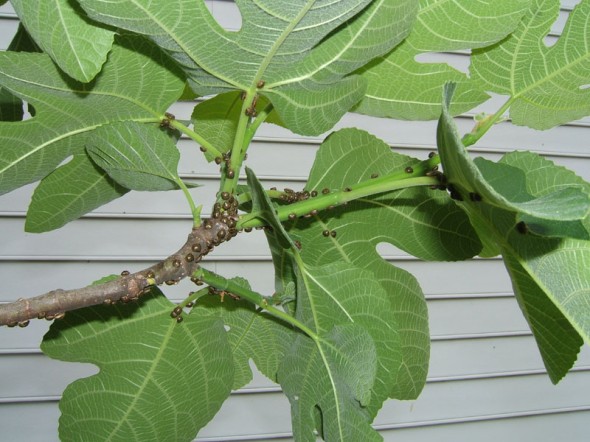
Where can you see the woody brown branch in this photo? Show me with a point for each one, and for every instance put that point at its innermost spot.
(127, 288)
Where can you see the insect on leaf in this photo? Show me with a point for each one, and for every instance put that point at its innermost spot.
(555, 307)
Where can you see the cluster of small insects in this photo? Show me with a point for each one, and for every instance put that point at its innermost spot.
(290, 196)
(445, 185)
(177, 314)
(225, 158)
(328, 233)
(168, 117)
(21, 324)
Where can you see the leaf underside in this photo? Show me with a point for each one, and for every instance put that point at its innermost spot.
(301, 58)
(555, 307)
(400, 86)
(150, 380)
(547, 86)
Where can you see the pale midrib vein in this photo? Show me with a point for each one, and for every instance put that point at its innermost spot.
(68, 38)
(146, 380)
(334, 59)
(334, 390)
(280, 40)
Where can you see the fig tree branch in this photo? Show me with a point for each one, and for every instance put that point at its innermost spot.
(129, 287)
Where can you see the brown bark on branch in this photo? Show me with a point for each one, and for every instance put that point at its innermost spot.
(127, 288)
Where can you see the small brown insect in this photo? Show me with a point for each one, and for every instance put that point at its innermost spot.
(297, 244)
(248, 229)
(314, 212)
(125, 273)
(374, 175)
(292, 216)
(176, 263)
(325, 191)
(203, 149)
(522, 228)
(23, 324)
(171, 282)
(225, 196)
(189, 257)
(260, 84)
(231, 174)
(431, 154)
(476, 197)
(221, 234)
(150, 274)
(314, 193)
(347, 189)
(333, 233)
(218, 160)
(409, 169)
(326, 233)
(179, 319)
(196, 248)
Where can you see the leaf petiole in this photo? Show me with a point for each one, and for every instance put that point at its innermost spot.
(195, 136)
(195, 211)
(482, 127)
(221, 283)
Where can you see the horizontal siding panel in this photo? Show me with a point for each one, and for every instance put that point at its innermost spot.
(569, 426)
(257, 416)
(453, 360)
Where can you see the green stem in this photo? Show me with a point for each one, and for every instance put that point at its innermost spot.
(221, 283)
(481, 128)
(195, 136)
(239, 147)
(333, 198)
(193, 297)
(195, 211)
(261, 118)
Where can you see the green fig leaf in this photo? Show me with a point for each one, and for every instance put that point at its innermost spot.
(555, 307)
(68, 112)
(546, 85)
(300, 65)
(137, 156)
(69, 192)
(78, 46)
(159, 379)
(399, 86)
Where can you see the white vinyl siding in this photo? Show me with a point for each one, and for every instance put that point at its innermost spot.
(486, 380)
